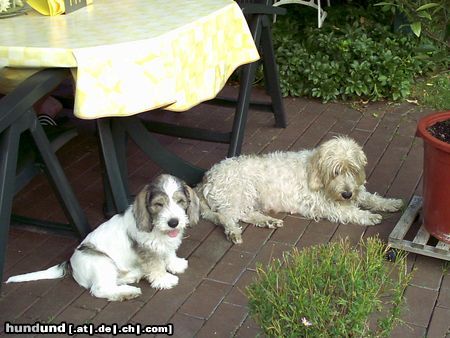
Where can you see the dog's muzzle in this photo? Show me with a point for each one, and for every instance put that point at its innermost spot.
(173, 223)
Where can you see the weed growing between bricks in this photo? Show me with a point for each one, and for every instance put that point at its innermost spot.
(330, 290)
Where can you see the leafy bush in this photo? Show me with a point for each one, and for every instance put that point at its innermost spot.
(354, 54)
(423, 16)
(330, 290)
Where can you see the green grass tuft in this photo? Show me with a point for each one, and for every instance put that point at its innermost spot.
(434, 91)
(332, 290)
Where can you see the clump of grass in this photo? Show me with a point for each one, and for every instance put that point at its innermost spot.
(332, 290)
(434, 91)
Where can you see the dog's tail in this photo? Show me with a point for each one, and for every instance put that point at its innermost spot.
(56, 271)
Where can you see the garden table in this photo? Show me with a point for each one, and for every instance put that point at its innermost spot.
(132, 56)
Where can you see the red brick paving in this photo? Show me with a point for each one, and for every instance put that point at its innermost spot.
(210, 299)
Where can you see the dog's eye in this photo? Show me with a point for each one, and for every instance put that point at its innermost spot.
(181, 201)
(158, 205)
(336, 172)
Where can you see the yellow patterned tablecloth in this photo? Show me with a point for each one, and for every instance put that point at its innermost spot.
(130, 56)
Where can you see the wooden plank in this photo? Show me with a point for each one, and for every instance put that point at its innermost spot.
(427, 250)
(408, 217)
(443, 246)
(419, 244)
(421, 238)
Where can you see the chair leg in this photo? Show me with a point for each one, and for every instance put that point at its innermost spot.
(165, 159)
(272, 78)
(109, 208)
(9, 147)
(58, 179)
(120, 145)
(245, 88)
(113, 172)
(120, 138)
(243, 104)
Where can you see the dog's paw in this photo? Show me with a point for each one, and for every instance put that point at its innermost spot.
(392, 205)
(371, 219)
(166, 281)
(118, 293)
(270, 223)
(234, 237)
(275, 223)
(177, 265)
(132, 293)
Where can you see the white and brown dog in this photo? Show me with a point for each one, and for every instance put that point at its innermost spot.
(326, 182)
(140, 243)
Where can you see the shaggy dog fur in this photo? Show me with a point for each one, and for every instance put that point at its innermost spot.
(140, 243)
(326, 182)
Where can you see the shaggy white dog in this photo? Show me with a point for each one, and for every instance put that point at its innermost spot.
(326, 182)
(140, 243)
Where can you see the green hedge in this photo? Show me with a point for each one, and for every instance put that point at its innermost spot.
(354, 55)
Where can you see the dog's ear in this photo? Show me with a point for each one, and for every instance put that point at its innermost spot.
(141, 212)
(361, 162)
(361, 177)
(193, 209)
(361, 157)
(313, 173)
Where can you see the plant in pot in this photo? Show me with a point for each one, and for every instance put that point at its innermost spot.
(434, 129)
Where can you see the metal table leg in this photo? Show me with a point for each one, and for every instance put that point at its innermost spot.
(113, 133)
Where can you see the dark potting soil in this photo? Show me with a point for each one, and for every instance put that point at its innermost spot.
(441, 130)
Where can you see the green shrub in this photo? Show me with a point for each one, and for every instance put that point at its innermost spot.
(330, 290)
(354, 55)
(423, 17)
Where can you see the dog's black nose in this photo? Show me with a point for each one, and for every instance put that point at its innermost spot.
(346, 195)
(173, 222)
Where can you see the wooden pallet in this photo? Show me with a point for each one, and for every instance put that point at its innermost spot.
(419, 243)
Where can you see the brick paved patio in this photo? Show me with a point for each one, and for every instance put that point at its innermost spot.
(210, 300)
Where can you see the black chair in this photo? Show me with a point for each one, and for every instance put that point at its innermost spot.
(30, 164)
(17, 118)
(259, 15)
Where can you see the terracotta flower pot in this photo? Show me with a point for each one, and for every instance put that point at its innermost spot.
(436, 179)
